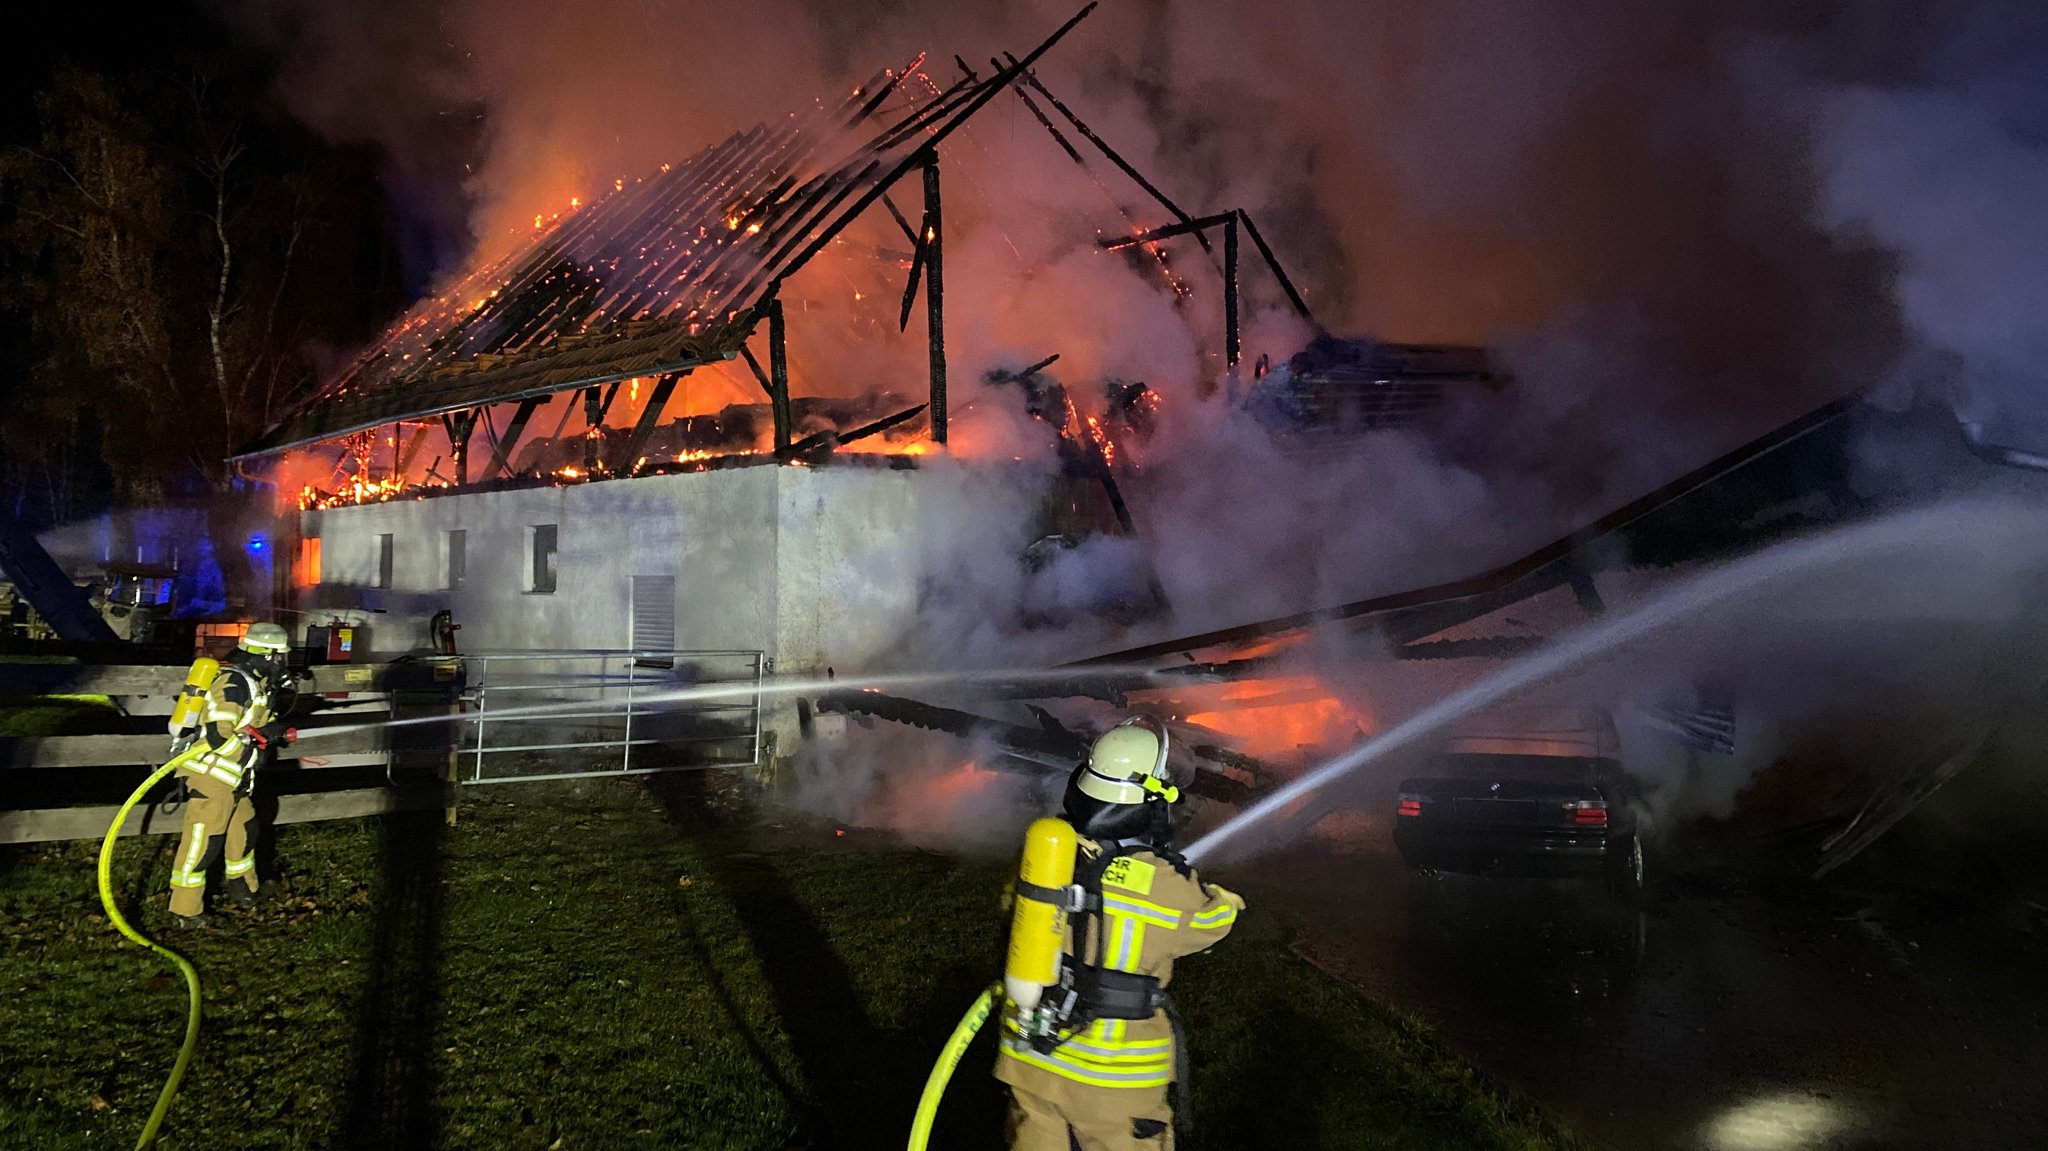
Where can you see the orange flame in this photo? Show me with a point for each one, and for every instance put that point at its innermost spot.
(1280, 717)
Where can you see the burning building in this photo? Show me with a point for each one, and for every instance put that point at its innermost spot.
(598, 441)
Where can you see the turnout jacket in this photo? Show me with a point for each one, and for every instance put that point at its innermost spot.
(238, 698)
(1152, 914)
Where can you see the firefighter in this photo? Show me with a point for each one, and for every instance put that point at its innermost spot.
(237, 728)
(1102, 1073)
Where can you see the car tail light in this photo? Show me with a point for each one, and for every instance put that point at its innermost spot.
(1588, 813)
(1410, 805)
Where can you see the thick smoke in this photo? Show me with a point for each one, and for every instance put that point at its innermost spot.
(1944, 161)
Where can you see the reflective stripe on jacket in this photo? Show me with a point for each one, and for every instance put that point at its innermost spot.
(1151, 915)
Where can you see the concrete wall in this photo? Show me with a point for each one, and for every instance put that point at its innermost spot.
(806, 564)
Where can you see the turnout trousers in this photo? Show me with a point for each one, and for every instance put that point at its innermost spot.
(1101, 1119)
(216, 826)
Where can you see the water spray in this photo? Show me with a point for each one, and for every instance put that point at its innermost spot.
(772, 688)
(1984, 527)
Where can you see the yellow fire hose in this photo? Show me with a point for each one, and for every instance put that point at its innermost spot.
(949, 1058)
(163, 1102)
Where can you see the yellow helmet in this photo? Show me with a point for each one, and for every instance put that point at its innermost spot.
(1128, 764)
(266, 639)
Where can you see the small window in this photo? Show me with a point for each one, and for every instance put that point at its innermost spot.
(541, 573)
(384, 560)
(306, 566)
(458, 559)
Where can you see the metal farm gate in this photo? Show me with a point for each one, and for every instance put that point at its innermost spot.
(534, 715)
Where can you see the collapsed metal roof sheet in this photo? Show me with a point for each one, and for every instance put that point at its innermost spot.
(661, 274)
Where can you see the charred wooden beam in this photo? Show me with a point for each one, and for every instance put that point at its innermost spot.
(760, 373)
(1273, 262)
(1102, 145)
(935, 295)
(1154, 235)
(910, 285)
(458, 426)
(1052, 129)
(778, 373)
(876, 427)
(817, 440)
(953, 116)
(501, 456)
(882, 93)
(902, 221)
(650, 417)
(1039, 366)
(596, 403)
(1230, 336)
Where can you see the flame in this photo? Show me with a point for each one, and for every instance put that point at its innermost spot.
(357, 491)
(1280, 717)
(877, 446)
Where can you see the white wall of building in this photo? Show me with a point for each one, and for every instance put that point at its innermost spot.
(805, 564)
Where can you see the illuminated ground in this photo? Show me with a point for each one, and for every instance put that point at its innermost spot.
(605, 967)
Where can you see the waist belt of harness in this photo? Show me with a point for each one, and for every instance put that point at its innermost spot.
(1107, 994)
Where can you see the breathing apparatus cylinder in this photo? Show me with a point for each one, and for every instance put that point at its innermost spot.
(191, 704)
(1038, 924)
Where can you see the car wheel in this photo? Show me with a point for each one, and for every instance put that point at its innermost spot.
(1627, 873)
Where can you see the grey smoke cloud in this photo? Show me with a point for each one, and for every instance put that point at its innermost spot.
(1948, 168)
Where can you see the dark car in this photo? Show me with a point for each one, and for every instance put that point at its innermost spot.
(1527, 792)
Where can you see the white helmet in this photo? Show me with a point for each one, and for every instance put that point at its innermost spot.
(266, 639)
(1127, 765)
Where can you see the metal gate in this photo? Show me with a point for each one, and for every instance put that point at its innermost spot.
(537, 715)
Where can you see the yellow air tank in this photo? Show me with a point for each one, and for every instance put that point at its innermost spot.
(1038, 925)
(191, 705)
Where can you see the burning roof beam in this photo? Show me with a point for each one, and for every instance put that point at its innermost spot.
(935, 295)
(458, 426)
(657, 400)
(501, 453)
(663, 276)
(1229, 222)
(833, 439)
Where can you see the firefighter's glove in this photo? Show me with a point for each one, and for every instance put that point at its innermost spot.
(1235, 900)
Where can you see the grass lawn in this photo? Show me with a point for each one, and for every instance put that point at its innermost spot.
(609, 966)
(46, 715)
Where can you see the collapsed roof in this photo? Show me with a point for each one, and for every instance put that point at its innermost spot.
(662, 274)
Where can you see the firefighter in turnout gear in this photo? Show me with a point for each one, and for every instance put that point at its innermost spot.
(1091, 1052)
(223, 728)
